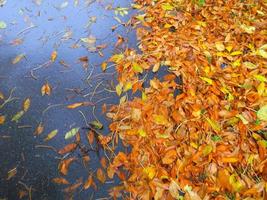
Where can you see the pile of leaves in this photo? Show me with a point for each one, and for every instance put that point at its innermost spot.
(210, 140)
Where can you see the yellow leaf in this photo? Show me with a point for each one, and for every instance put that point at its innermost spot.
(236, 53)
(53, 56)
(248, 29)
(208, 80)
(128, 86)
(215, 126)
(142, 133)
(104, 66)
(160, 120)
(26, 104)
(261, 88)
(235, 183)
(18, 58)
(167, 6)
(17, 116)
(262, 113)
(119, 89)
(75, 105)
(156, 67)
(219, 46)
(150, 171)
(51, 135)
(230, 159)
(249, 65)
(207, 150)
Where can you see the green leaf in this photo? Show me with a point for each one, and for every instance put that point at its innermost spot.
(119, 89)
(215, 126)
(201, 2)
(2, 25)
(262, 113)
(137, 68)
(71, 133)
(216, 138)
(242, 119)
(96, 124)
(260, 78)
(17, 116)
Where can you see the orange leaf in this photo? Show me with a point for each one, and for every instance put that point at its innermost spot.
(2, 119)
(88, 182)
(90, 137)
(169, 157)
(68, 148)
(103, 162)
(75, 105)
(46, 89)
(101, 175)
(64, 165)
(39, 129)
(230, 159)
(60, 181)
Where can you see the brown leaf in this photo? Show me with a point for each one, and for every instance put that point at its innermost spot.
(68, 148)
(46, 89)
(73, 187)
(90, 137)
(39, 129)
(101, 175)
(60, 181)
(26, 104)
(2, 119)
(88, 182)
(63, 166)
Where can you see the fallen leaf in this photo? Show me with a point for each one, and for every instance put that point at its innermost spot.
(73, 187)
(2, 25)
(262, 113)
(2, 119)
(53, 56)
(88, 183)
(51, 135)
(71, 133)
(46, 89)
(11, 173)
(26, 104)
(101, 175)
(68, 148)
(64, 165)
(17, 116)
(169, 157)
(18, 58)
(60, 181)
(75, 105)
(96, 125)
(39, 130)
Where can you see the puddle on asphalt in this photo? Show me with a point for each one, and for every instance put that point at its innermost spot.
(32, 33)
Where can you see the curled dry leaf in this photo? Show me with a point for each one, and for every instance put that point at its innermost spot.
(68, 148)
(64, 165)
(46, 89)
(101, 175)
(60, 181)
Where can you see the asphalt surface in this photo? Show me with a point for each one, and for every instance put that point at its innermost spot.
(53, 26)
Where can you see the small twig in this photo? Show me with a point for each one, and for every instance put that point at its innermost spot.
(51, 106)
(9, 99)
(25, 126)
(93, 94)
(103, 99)
(84, 118)
(46, 147)
(26, 29)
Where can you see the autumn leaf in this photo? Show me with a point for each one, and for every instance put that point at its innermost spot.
(60, 181)
(2, 119)
(46, 89)
(96, 124)
(11, 173)
(51, 135)
(71, 133)
(73, 187)
(18, 58)
(262, 113)
(68, 148)
(150, 171)
(88, 183)
(169, 157)
(64, 165)
(215, 126)
(17, 116)
(75, 105)
(26, 104)
(101, 175)
(39, 130)
(53, 56)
